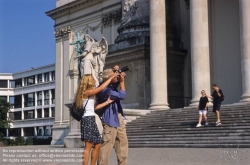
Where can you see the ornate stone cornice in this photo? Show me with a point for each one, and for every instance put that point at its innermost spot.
(115, 15)
(62, 34)
(70, 8)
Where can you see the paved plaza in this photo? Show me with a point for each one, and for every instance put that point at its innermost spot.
(57, 155)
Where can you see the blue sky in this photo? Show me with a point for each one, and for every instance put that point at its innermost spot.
(26, 35)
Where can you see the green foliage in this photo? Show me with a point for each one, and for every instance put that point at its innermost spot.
(11, 142)
(29, 141)
(4, 109)
(19, 141)
(2, 139)
(42, 141)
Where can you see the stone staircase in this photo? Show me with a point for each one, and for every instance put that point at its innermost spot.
(177, 128)
(133, 114)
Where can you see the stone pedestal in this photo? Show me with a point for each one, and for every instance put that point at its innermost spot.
(73, 139)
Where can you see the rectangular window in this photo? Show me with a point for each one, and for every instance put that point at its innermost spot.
(3, 98)
(15, 115)
(12, 101)
(46, 112)
(40, 131)
(52, 111)
(53, 96)
(12, 84)
(28, 131)
(29, 100)
(39, 113)
(29, 114)
(15, 132)
(18, 83)
(29, 80)
(18, 101)
(46, 97)
(46, 77)
(39, 98)
(53, 76)
(39, 78)
(3, 83)
(47, 131)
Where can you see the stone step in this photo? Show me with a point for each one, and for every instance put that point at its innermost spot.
(196, 114)
(193, 126)
(176, 145)
(177, 128)
(177, 138)
(208, 134)
(135, 112)
(191, 118)
(185, 122)
(193, 142)
(235, 128)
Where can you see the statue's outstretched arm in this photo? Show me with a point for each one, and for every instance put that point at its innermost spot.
(82, 55)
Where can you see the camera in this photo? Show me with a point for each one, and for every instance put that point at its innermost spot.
(124, 69)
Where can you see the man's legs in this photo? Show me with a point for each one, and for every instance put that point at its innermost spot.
(109, 135)
(121, 143)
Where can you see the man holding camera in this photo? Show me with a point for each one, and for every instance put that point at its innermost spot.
(114, 131)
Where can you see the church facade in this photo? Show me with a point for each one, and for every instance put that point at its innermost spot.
(174, 49)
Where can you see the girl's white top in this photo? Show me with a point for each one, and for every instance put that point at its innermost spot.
(89, 109)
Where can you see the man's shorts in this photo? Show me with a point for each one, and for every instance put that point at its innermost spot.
(216, 107)
(202, 112)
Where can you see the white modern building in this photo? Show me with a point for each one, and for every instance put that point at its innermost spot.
(32, 96)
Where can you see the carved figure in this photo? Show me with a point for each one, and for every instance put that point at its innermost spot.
(93, 58)
(134, 9)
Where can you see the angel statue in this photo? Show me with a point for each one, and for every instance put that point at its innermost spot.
(93, 58)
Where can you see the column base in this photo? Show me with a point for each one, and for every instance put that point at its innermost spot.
(59, 132)
(245, 99)
(159, 106)
(73, 141)
(194, 103)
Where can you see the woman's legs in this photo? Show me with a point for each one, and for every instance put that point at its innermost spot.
(95, 153)
(86, 152)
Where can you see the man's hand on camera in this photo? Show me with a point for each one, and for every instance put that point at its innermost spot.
(122, 75)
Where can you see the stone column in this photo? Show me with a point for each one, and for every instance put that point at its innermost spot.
(158, 56)
(244, 6)
(7, 132)
(35, 131)
(199, 49)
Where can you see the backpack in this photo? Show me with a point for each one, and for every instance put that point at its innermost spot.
(222, 97)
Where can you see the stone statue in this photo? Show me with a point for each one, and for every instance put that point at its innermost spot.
(135, 20)
(93, 57)
(134, 9)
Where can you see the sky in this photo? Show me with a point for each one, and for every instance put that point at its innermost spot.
(26, 35)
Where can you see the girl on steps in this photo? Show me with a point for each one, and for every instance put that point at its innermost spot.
(202, 107)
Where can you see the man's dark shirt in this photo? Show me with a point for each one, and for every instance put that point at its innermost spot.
(203, 102)
(216, 98)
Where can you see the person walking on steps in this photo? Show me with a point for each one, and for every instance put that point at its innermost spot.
(218, 97)
(203, 104)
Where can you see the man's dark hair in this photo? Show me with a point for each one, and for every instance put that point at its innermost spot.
(214, 85)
